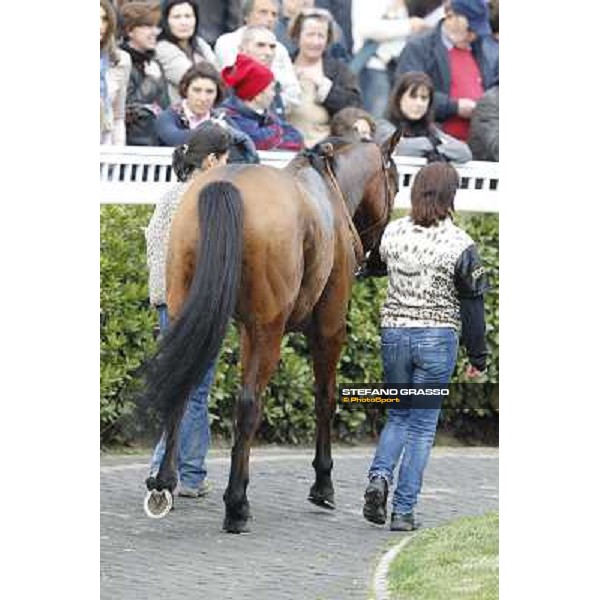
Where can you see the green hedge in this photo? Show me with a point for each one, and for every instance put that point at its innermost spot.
(128, 321)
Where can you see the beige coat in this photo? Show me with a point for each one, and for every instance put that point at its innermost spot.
(310, 117)
(175, 63)
(117, 78)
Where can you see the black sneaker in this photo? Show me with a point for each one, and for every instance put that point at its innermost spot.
(376, 494)
(402, 522)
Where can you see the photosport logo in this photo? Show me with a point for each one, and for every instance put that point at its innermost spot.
(460, 396)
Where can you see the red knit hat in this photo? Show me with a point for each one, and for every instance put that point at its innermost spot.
(247, 77)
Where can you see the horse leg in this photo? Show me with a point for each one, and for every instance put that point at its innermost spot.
(261, 347)
(325, 354)
(166, 478)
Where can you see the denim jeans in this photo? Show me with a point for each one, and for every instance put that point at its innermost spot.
(194, 433)
(375, 88)
(411, 355)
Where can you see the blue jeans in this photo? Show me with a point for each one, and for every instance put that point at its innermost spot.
(375, 88)
(411, 355)
(194, 433)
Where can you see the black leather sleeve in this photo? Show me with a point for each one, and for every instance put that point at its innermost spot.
(469, 274)
(471, 283)
(472, 316)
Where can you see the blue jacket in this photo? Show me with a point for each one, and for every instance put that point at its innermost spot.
(428, 53)
(173, 129)
(267, 130)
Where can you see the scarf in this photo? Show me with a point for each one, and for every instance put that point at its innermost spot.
(138, 59)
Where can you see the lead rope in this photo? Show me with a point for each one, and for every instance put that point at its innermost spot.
(359, 251)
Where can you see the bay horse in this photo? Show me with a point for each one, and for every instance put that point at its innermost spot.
(277, 250)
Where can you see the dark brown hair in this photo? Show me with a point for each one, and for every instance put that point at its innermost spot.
(109, 43)
(208, 138)
(201, 70)
(342, 123)
(139, 14)
(410, 82)
(167, 34)
(432, 193)
(320, 14)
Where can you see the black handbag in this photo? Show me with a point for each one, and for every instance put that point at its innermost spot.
(139, 126)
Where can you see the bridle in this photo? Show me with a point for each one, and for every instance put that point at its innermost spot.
(389, 200)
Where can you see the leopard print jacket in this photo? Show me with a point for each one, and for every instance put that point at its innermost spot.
(421, 265)
(157, 242)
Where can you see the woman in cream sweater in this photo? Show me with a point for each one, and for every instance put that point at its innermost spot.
(179, 45)
(115, 68)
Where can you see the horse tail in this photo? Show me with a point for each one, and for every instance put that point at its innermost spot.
(193, 340)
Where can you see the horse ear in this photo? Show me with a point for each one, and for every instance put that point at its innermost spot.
(387, 148)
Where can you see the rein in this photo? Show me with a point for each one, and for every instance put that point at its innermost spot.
(359, 250)
(388, 204)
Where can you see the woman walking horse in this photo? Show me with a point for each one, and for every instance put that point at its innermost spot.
(277, 250)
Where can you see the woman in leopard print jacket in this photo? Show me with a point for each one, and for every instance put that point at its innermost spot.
(436, 284)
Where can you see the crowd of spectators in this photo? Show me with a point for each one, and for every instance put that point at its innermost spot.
(285, 74)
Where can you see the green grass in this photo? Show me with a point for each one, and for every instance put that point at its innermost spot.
(455, 562)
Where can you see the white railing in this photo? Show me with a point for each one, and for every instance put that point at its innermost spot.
(141, 175)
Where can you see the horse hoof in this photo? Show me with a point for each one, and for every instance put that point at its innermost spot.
(156, 484)
(158, 504)
(324, 500)
(235, 525)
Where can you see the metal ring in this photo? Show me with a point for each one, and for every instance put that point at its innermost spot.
(158, 504)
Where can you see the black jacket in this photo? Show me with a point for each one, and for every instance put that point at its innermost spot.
(484, 137)
(146, 95)
(345, 90)
(218, 17)
(142, 89)
(427, 53)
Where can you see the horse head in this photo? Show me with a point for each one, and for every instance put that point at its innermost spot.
(369, 178)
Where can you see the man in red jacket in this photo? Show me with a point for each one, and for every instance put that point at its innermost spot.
(453, 56)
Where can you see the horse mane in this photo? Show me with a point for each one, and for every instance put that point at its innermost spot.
(324, 152)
